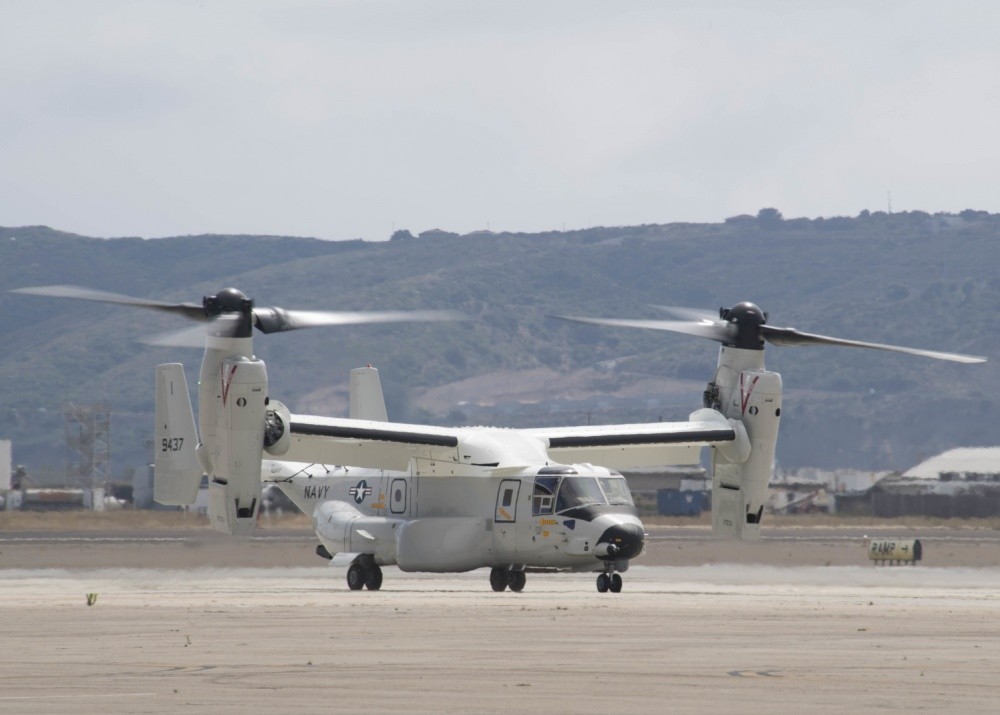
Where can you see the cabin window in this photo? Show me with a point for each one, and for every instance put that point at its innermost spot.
(508, 497)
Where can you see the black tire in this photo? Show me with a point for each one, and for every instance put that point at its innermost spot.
(356, 577)
(498, 579)
(516, 580)
(616, 583)
(373, 578)
(603, 582)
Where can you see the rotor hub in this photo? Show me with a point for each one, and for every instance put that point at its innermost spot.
(748, 319)
(228, 300)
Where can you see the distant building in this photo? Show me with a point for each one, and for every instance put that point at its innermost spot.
(964, 460)
(670, 491)
(961, 482)
(820, 490)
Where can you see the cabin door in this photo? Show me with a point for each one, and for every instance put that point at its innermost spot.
(505, 518)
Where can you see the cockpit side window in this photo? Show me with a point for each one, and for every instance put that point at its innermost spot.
(617, 491)
(543, 500)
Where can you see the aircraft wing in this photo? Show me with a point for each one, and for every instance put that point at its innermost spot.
(391, 445)
(635, 445)
(367, 443)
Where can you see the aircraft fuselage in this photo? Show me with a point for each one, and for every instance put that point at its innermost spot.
(545, 518)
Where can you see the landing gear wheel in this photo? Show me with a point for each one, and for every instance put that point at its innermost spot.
(498, 579)
(603, 583)
(356, 577)
(373, 578)
(616, 583)
(516, 580)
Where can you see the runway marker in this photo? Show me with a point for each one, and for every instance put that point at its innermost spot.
(75, 695)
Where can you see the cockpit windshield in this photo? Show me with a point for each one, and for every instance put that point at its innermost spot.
(617, 491)
(579, 491)
(555, 494)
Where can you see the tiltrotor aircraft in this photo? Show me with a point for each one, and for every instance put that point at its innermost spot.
(442, 499)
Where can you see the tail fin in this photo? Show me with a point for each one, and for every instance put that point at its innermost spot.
(177, 472)
(367, 402)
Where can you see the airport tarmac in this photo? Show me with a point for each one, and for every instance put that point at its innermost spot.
(279, 635)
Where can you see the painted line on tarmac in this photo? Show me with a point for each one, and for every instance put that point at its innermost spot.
(823, 539)
(709, 537)
(74, 696)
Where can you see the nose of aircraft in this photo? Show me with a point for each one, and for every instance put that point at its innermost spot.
(627, 540)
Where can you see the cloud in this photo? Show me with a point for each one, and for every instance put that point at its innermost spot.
(346, 119)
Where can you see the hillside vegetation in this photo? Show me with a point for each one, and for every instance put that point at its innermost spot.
(912, 278)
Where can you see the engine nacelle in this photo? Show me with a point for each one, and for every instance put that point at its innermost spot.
(441, 544)
(751, 395)
(234, 489)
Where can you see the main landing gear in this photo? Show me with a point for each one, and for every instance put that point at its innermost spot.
(609, 581)
(501, 578)
(364, 572)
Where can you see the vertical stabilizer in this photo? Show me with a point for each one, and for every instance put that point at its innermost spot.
(177, 472)
(367, 402)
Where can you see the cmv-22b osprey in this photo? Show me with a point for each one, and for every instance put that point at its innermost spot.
(439, 499)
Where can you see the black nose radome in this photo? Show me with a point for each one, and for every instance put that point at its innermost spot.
(627, 539)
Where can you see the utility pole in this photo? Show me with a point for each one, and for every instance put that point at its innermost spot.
(88, 442)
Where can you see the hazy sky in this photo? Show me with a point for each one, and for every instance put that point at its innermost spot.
(347, 119)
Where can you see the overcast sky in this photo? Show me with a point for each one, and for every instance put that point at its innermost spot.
(349, 119)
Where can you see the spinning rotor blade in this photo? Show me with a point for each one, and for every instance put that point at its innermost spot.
(230, 314)
(186, 338)
(792, 337)
(276, 320)
(689, 313)
(188, 310)
(745, 326)
(722, 332)
(225, 326)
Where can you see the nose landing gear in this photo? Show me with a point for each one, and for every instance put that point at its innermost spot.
(610, 580)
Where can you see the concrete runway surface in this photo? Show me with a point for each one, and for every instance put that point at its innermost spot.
(703, 638)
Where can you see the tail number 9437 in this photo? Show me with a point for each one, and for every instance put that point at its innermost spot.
(171, 444)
